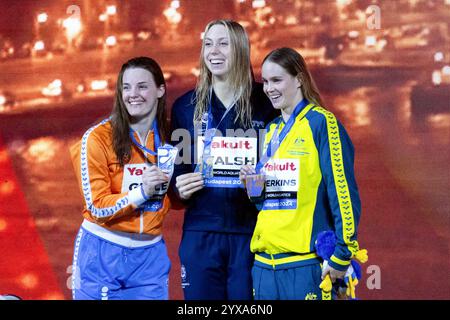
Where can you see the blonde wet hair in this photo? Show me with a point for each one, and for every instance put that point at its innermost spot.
(240, 76)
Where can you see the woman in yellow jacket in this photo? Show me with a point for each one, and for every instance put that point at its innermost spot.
(123, 167)
(310, 187)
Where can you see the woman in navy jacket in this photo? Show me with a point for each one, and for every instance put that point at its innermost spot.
(218, 125)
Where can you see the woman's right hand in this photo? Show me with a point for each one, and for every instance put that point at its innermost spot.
(151, 178)
(189, 183)
(246, 170)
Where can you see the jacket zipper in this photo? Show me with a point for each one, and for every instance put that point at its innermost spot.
(141, 217)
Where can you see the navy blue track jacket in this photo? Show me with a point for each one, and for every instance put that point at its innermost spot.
(219, 209)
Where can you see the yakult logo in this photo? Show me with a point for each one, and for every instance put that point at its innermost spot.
(231, 145)
(287, 166)
(136, 171)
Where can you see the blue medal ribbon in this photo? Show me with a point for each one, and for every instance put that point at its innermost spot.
(207, 167)
(302, 107)
(151, 204)
(211, 132)
(156, 139)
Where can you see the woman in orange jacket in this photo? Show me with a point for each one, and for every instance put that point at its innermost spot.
(123, 167)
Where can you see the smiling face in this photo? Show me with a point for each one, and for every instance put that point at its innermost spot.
(283, 89)
(217, 51)
(140, 93)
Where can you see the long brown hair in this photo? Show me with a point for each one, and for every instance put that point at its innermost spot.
(295, 65)
(240, 75)
(120, 119)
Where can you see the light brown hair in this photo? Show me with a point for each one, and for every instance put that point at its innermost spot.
(120, 118)
(295, 65)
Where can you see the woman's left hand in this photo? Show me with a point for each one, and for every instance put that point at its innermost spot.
(334, 274)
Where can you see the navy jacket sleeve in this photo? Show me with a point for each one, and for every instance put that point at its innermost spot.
(336, 154)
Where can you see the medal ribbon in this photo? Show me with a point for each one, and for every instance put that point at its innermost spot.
(157, 140)
(150, 204)
(210, 132)
(301, 109)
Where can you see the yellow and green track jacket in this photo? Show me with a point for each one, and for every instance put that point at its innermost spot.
(310, 187)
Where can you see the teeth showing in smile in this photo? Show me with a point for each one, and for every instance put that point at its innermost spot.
(275, 97)
(216, 61)
(135, 102)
